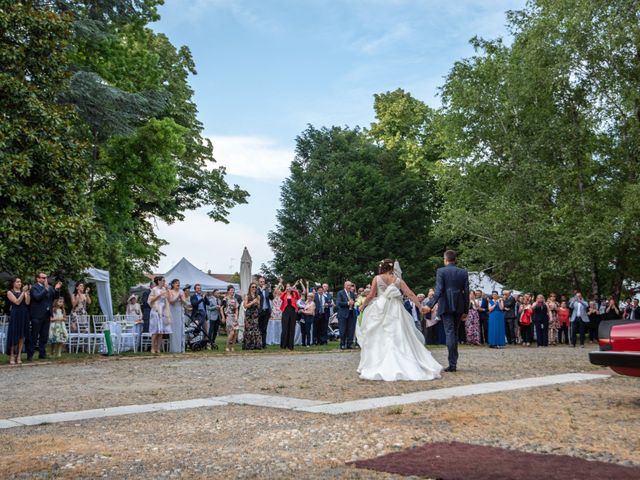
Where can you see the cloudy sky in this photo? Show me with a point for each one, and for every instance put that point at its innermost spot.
(267, 68)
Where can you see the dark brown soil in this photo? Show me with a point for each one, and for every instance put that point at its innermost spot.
(458, 461)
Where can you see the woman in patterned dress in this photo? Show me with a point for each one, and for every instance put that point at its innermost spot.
(252, 338)
(554, 323)
(229, 310)
(472, 324)
(79, 300)
(276, 313)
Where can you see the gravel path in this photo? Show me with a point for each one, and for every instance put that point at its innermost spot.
(593, 420)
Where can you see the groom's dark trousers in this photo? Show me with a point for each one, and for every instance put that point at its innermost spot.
(451, 323)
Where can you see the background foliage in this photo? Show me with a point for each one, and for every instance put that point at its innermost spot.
(347, 204)
(100, 139)
(530, 167)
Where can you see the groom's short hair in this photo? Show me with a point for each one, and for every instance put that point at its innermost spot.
(450, 256)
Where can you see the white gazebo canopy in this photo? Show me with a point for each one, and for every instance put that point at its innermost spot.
(103, 288)
(482, 281)
(188, 274)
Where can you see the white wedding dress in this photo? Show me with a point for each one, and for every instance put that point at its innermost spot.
(392, 348)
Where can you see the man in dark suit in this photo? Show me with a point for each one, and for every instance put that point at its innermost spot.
(42, 297)
(266, 295)
(452, 297)
(483, 313)
(345, 301)
(199, 306)
(634, 311)
(510, 316)
(146, 313)
(146, 309)
(323, 326)
(318, 324)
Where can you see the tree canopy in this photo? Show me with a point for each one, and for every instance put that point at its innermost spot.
(124, 145)
(348, 204)
(541, 182)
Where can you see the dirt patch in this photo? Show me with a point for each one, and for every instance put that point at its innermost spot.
(455, 461)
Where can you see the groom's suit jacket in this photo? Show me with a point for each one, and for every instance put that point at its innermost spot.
(452, 290)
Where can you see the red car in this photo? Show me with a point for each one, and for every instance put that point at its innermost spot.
(619, 347)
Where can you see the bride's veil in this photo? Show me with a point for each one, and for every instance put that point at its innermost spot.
(397, 271)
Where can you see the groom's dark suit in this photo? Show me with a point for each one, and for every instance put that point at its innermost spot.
(452, 297)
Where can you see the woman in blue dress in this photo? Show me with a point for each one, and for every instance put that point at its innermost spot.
(19, 299)
(496, 322)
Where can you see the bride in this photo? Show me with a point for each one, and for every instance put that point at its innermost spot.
(392, 347)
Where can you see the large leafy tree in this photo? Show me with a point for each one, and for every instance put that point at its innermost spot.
(542, 137)
(46, 219)
(347, 204)
(411, 127)
(146, 156)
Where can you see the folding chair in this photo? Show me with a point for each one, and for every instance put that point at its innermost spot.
(127, 332)
(82, 336)
(97, 332)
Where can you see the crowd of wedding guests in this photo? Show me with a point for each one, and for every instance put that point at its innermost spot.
(38, 316)
(166, 309)
(502, 318)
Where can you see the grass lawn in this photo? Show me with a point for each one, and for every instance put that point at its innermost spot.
(332, 346)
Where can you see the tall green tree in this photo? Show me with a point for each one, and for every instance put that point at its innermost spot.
(410, 126)
(147, 159)
(348, 204)
(542, 141)
(46, 219)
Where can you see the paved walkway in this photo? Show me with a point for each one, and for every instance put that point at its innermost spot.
(305, 405)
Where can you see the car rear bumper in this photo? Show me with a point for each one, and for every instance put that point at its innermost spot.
(615, 359)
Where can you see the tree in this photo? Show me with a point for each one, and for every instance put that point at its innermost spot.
(542, 143)
(147, 158)
(410, 126)
(46, 220)
(348, 204)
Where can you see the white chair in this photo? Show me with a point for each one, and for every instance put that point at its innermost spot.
(145, 341)
(97, 332)
(4, 326)
(128, 333)
(82, 335)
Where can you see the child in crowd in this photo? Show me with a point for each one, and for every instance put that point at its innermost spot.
(563, 319)
(58, 334)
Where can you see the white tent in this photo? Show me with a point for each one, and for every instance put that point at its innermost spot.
(482, 281)
(188, 274)
(101, 277)
(103, 287)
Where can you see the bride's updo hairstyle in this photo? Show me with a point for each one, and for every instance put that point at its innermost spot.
(385, 266)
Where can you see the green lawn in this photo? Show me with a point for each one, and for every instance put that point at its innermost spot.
(220, 342)
(333, 346)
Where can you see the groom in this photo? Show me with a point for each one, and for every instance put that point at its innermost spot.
(452, 293)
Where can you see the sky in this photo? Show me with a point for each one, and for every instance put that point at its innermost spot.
(268, 68)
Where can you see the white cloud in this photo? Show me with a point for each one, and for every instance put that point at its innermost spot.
(210, 245)
(254, 157)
